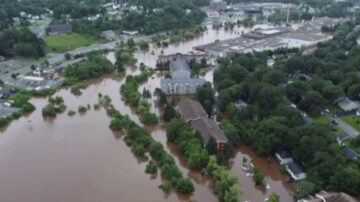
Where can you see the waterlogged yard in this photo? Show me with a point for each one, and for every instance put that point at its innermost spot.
(66, 42)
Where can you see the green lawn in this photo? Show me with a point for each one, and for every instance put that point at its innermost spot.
(66, 42)
(353, 121)
(321, 119)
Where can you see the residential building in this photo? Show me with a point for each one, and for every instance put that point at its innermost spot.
(283, 157)
(341, 137)
(108, 35)
(324, 196)
(346, 104)
(349, 153)
(180, 83)
(218, 5)
(296, 171)
(60, 29)
(194, 114)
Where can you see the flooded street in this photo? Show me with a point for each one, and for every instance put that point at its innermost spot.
(80, 159)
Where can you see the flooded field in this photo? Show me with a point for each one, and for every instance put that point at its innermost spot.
(79, 159)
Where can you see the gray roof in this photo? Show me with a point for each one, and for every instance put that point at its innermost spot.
(208, 128)
(64, 28)
(295, 168)
(284, 154)
(351, 154)
(190, 81)
(342, 136)
(190, 109)
(179, 64)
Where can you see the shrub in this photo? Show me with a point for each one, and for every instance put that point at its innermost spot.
(82, 109)
(71, 113)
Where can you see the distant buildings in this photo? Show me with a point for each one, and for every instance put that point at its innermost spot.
(324, 196)
(218, 5)
(180, 83)
(194, 114)
(60, 29)
(108, 35)
(258, 40)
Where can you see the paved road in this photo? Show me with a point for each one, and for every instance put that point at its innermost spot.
(12, 66)
(344, 126)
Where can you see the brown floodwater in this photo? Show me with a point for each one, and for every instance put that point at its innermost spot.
(80, 159)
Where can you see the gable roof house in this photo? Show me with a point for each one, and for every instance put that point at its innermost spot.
(283, 157)
(295, 171)
(60, 29)
(195, 115)
(346, 104)
(349, 153)
(324, 196)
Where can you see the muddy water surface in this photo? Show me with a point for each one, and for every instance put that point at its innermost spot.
(79, 159)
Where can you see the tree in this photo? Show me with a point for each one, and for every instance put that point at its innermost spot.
(169, 112)
(206, 96)
(184, 186)
(259, 177)
(68, 56)
(274, 198)
(232, 195)
(303, 189)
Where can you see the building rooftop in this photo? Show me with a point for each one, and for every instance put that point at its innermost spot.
(64, 28)
(179, 64)
(295, 168)
(208, 128)
(284, 154)
(351, 154)
(324, 196)
(189, 81)
(191, 109)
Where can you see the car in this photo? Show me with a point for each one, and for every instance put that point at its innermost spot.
(6, 104)
(327, 110)
(334, 122)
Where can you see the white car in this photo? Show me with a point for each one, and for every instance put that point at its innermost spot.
(6, 104)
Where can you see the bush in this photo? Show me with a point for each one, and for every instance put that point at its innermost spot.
(49, 110)
(184, 186)
(82, 109)
(166, 187)
(151, 169)
(71, 113)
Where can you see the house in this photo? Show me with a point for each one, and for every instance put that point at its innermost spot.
(341, 137)
(195, 115)
(218, 5)
(2, 58)
(346, 104)
(180, 83)
(295, 171)
(349, 153)
(283, 157)
(108, 35)
(60, 29)
(324, 196)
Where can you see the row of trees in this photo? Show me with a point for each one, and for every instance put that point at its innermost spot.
(141, 142)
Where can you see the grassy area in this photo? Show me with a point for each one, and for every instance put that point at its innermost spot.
(353, 121)
(321, 119)
(66, 42)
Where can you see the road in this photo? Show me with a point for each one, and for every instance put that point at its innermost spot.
(22, 66)
(341, 124)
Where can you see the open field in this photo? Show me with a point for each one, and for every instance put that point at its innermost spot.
(66, 42)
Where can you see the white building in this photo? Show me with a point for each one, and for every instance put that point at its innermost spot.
(180, 83)
(295, 171)
(283, 157)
